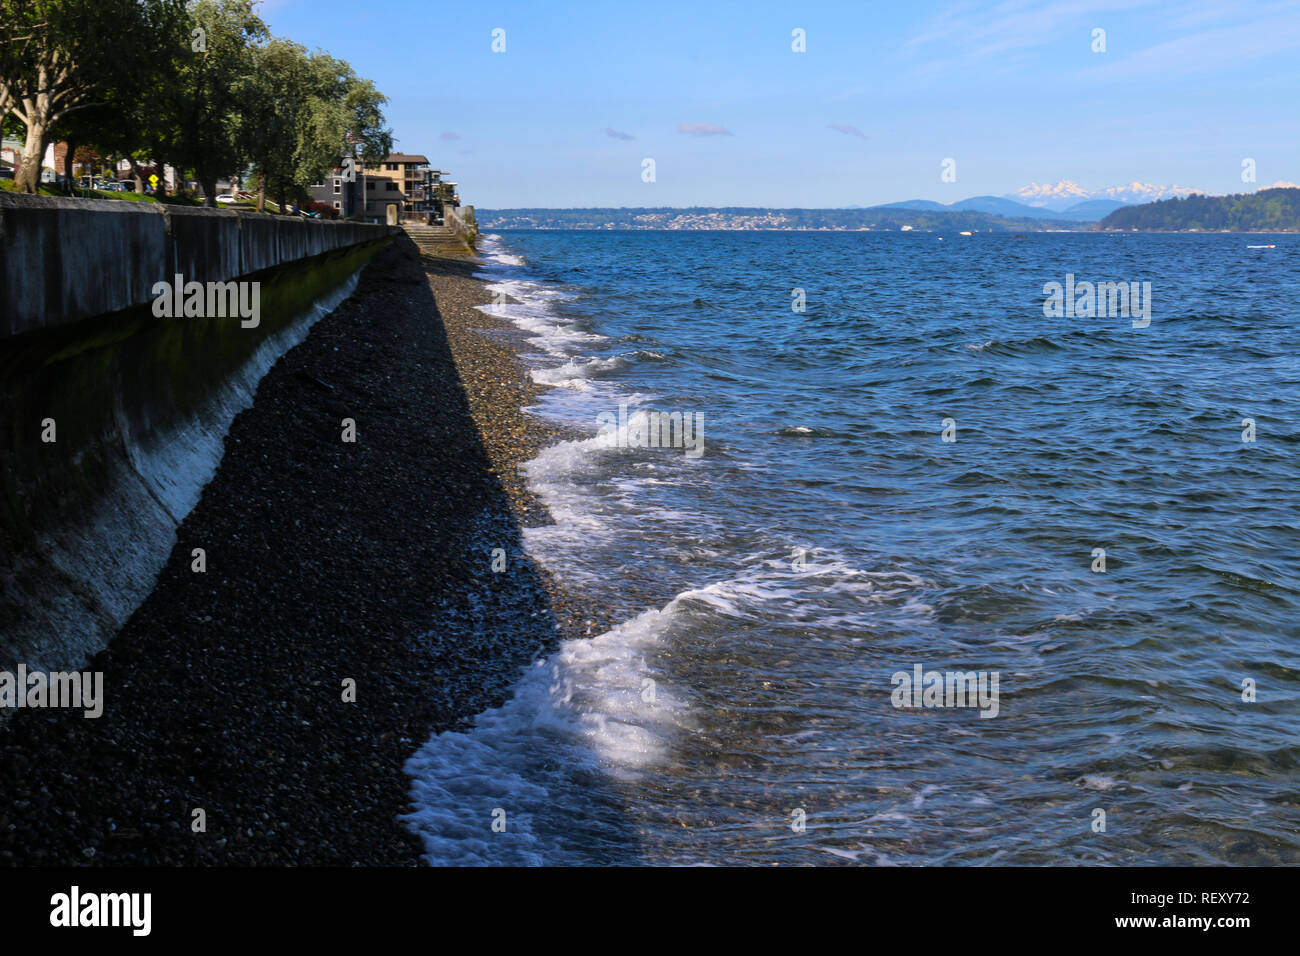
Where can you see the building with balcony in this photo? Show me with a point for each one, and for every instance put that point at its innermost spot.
(402, 187)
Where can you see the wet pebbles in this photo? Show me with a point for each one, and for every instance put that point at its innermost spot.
(328, 562)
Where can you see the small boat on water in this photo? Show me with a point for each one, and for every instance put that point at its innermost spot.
(967, 234)
(1261, 247)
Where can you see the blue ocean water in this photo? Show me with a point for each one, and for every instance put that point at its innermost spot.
(828, 537)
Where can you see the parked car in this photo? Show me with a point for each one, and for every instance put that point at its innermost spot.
(227, 199)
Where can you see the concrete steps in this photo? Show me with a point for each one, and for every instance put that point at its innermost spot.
(435, 240)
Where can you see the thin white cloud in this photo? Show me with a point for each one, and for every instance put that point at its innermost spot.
(703, 129)
(1242, 42)
(1217, 33)
(1015, 24)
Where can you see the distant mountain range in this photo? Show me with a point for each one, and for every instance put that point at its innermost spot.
(1066, 195)
(1272, 208)
(1065, 200)
(1090, 210)
(941, 218)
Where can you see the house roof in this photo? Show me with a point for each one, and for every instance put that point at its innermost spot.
(406, 158)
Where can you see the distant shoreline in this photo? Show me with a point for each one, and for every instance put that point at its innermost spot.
(488, 227)
(1273, 211)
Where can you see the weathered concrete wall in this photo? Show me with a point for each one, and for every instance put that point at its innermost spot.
(462, 221)
(62, 260)
(139, 405)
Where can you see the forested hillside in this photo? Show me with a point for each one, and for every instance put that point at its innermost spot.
(1269, 210)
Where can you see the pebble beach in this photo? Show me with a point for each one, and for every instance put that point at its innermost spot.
(260, 712)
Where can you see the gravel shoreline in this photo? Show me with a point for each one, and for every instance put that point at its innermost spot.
(327, 561)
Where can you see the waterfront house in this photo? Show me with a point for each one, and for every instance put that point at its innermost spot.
(402, 187)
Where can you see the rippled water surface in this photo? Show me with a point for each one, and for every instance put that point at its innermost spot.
(746, 685)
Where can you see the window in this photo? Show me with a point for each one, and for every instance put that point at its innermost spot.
(338, 205)
(338, 187)
(370, 184)
(391, 167)
(391, 187)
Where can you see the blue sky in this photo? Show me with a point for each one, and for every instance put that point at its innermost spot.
(713, 92)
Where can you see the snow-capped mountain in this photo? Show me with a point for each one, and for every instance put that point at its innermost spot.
(1058, 196)
(1065, 194)
(1137, 192)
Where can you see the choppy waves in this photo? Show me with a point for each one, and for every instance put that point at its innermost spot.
(830, 537)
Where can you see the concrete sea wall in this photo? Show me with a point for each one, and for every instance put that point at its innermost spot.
(462, 222)
(112, 420)
(69, 259)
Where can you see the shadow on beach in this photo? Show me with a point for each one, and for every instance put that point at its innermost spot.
(328, 562)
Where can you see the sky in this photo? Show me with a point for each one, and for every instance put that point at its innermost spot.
(882, 94)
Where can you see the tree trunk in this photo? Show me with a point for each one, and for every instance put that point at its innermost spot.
(69, 184)
(261, 191)
(209, 184)
(135, 173)
(28, 177)
(38, 114)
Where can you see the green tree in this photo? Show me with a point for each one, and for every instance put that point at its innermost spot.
(198, 116)
(269, 101)
(64, 56)
(341, 108)
(297, 111)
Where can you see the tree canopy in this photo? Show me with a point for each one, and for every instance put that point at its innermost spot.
(1269, 210)
(198, 84)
